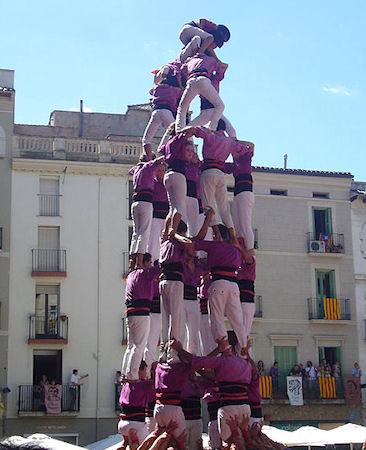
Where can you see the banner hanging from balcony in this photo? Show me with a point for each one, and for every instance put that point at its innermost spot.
(327, 387)
(265, 386)
(294, 391)
(52, 398)
(352, 390)
(332, 309)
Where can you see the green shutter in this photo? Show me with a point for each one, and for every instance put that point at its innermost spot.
(328, 221)
(286, 358)
(332, 284)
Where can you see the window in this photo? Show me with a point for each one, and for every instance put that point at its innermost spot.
(321, 194)
(49, 238)
(322, 223)
(278, 192)
(325, 283)
(331, 354)
(47, 305)
(286, 356)
(49, 197)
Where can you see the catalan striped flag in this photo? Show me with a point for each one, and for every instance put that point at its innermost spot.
(265, 386)
(327, 387)
(332, 309)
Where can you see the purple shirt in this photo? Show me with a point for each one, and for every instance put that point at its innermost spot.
(175, 153)
(136, 393)
(201, 65)
(216, 147)
(240, 370)
(160, 200)
(165, 96)
(193, 175)
(143, 175)
(171, 252)
(253, 390)
(170, 379)
(139, 291)
(220, 254)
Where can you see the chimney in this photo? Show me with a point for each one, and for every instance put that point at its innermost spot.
(7, 78)
(285, 161)
(81, 120)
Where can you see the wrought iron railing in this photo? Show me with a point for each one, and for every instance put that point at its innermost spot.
(31, 398)
(325, 243)
(325, 308)
(48, 260)
(49, 205)
(53, 326)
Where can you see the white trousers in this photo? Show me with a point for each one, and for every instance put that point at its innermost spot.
(153, 247)
(191, 37)
(124, 426)
(176, 186)
(194, 429)
(227, 412)
(193, 216)
(214, 435)
(204, 118)
(207, 341)
(242, 214)
(164, 414)
(248, 316)
(159, 118)
(214, 190)
(199, 86)
(142, 218)
(138, 328)
(192, 320)
(224, 300)
(153, 340)
(172, 312)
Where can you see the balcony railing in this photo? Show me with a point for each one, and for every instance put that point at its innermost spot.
(124, 331)
(32, 398)
(52, 327)
(48, 260)
(258, 306)
(322, 388)
(329, 308)
(325, 243)
(49, 205)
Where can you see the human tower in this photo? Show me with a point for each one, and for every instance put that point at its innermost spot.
(192, 264)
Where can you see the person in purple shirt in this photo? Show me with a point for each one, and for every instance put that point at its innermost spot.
(170, 379)
(233, 373)
(178, 151)
(142, 207)
(133, 401)
(160, 212)
(246, 281)
(193, 174)
(138, 295)
(172, 256)
(243, 203)
(155, 327)
(223, 261)
(164, 103)
(199, 71)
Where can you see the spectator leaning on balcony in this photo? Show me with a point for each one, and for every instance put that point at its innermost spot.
(260, 368)
(75, 380)
(295, 371)
(356, 371)
(310, 371)
(273, 372)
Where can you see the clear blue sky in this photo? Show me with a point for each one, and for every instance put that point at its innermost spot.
(296, 80)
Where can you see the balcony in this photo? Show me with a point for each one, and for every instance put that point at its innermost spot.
(325, 244)
(48, 330)
(258, 307)
(329, 309)
(49, 205)
(31, 399)
(48, 262)
(321, 389)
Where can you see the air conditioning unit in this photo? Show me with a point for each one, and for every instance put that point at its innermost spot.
(317, 246)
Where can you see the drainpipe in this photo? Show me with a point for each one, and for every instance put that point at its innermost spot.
(98, 311)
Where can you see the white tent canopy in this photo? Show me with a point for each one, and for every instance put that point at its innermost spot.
(345, 434)
(41, 440)
(108, 443)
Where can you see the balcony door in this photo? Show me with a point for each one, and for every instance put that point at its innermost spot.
(49, 248)
(49, 363)
(47, 311)
(322, 222)
(325, 284)
(49, 199)
(286, 356)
